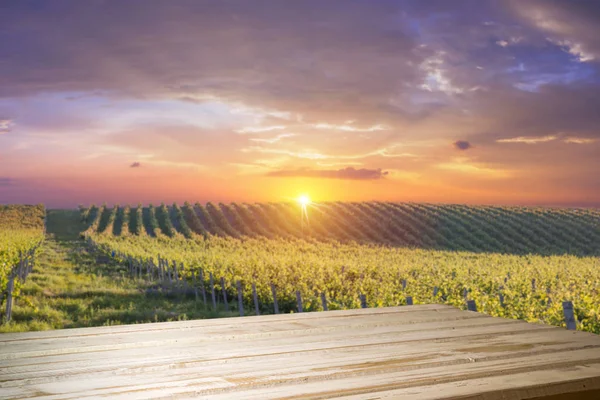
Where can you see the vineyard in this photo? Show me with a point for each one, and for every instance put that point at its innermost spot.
(514, 262)
(21, 231)
(507, 230)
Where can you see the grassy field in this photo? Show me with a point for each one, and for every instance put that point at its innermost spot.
(69, 288)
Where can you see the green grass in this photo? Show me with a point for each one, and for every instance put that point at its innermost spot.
(69, 289)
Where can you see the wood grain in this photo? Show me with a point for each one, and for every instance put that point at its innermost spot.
(416, 352)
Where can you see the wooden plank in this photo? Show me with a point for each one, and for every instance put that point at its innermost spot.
(332, 354)
(239, 326)
(553, 382)
(322, 379)
(469, 328)
(331, 317)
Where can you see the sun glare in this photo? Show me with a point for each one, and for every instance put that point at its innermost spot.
(304, 200)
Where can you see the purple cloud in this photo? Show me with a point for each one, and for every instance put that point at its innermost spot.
(462, 145)
(135, 165)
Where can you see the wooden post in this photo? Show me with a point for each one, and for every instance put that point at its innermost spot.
(403, 284)
(255, 299)
(202, 287)
(324, 301)
(184, 280)
(409, 301)
(533, 286)
(224, 294)
(240, 302)
(569, 315)
(20, 268)
(275, 305)
(25, 269)
(9, 297)
(471, 306)
(363, 300)
(150, 263)
(212, 288)
(299, 301)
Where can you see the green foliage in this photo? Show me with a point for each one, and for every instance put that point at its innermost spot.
(351, 248)
(343, 271)
(181, 222)
(153, 222)
(21, 230)
(164, 221)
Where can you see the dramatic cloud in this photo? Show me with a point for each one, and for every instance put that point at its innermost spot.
(348, 173)
(234, 90)
(570, 24)
(462, 145)
(135, 165)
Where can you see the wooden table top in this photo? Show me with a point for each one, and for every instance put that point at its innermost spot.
(410, 352)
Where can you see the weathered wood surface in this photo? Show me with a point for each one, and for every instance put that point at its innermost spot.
(416, 352)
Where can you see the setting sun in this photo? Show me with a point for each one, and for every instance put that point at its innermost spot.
(304, 200)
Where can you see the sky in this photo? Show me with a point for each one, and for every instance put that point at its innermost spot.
(478, 102)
